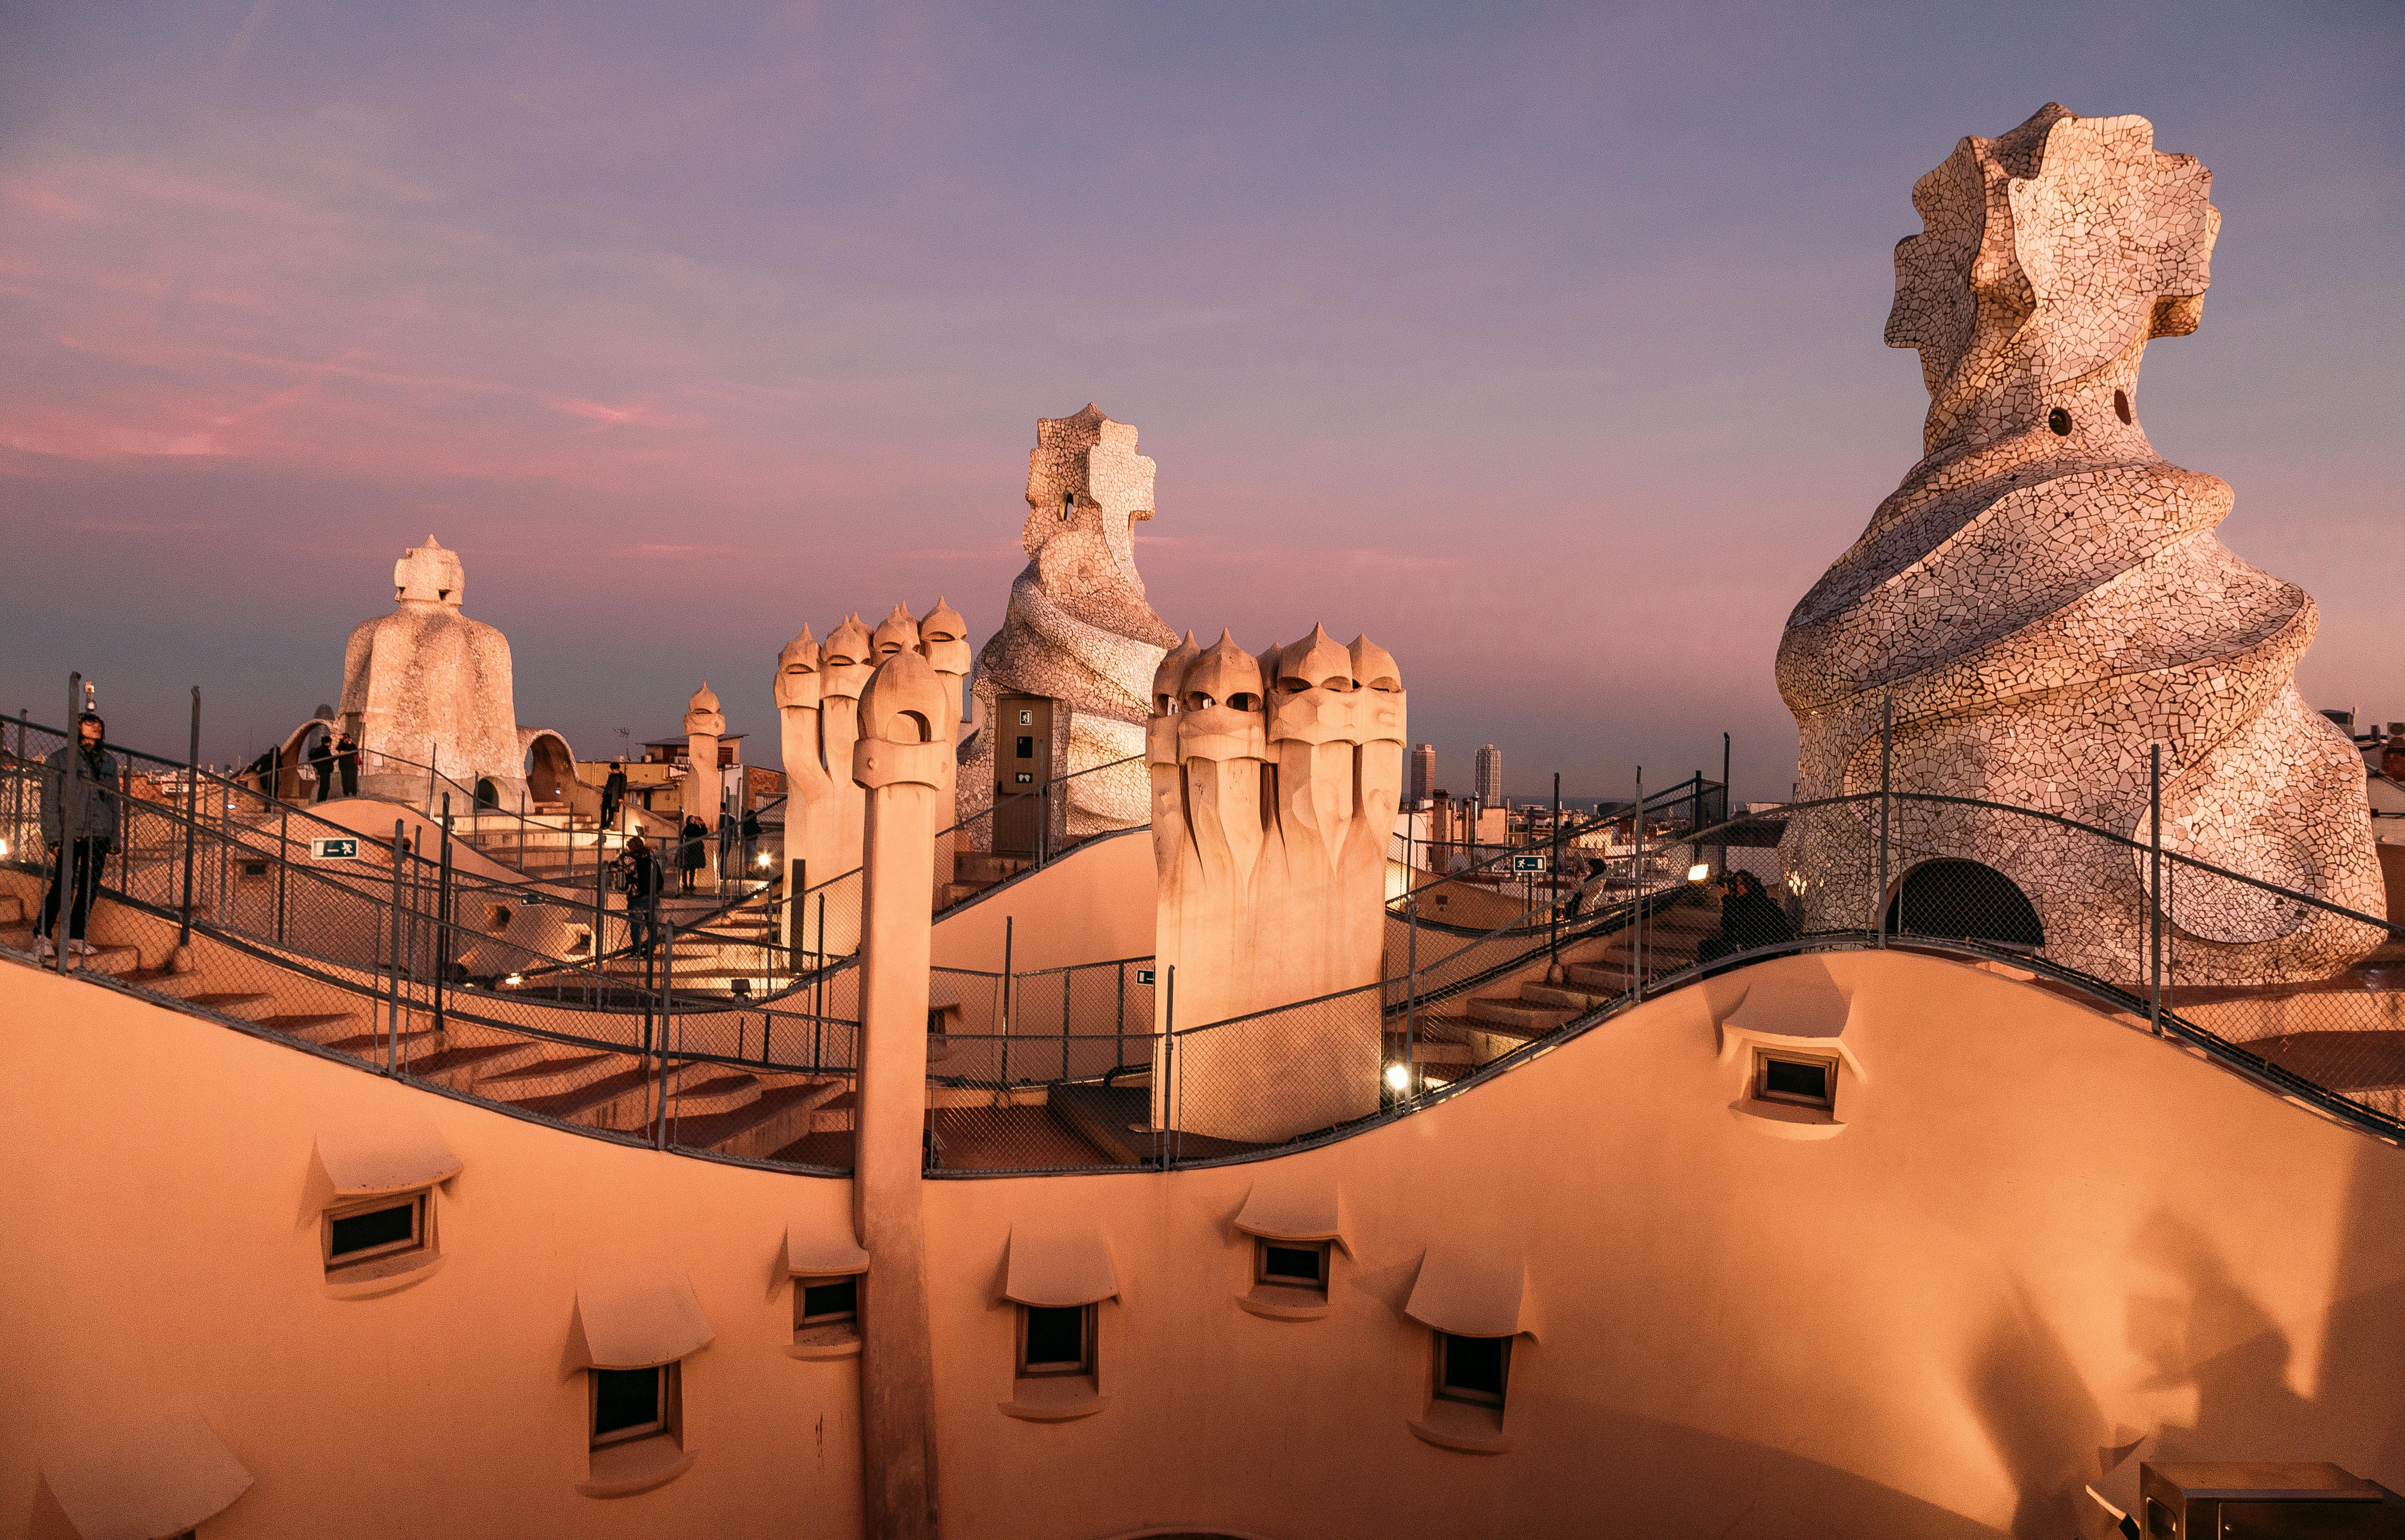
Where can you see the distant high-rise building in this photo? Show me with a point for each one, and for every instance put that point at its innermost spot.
(1489, 777)
(1423, 773)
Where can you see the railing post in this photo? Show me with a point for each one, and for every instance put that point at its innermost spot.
(1169, 1075)
(1553, 886)
(2154, 883)
(70, 823)
(1887, 793)
(392, 1042)
(1637, 934)
(283, 865)
(442, 918)
(667, 1007)
(1009, 998)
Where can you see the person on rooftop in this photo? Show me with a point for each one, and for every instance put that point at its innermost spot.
(1750, 917)
(321, 760)
(347, 759)
(750, 840)
(693, 850)
(79, 825)
(614, 794)
(639, 874)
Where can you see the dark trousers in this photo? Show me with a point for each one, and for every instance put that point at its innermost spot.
(642, 927)
(89, 856)
(325, 780)
(608, 811)
(350, 777)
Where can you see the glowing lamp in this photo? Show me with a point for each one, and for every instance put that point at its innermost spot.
(1700, 871)
(1399, 1076)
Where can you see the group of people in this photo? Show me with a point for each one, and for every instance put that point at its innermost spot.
(331, 759)
(643, 879)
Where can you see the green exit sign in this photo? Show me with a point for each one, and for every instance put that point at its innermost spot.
(1143, 975)
(335, 849)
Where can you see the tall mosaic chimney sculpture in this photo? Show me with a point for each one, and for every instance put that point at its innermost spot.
(1079, 629)
(1275, 782)
(817, 692)
(2043, 600)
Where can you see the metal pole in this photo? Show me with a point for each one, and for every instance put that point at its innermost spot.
(1169, 1072)
(283, 865)
(442, 918)
(1554, 877)
(1725, 810)
(1887, 793)
(668, 998)
(70, 823)
(2155, 883)
(392, 1044)
(1008, 992)
(1637, 936)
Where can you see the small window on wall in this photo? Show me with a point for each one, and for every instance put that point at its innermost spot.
(1794, 1080)
(1055, 1340)
(629, 1405)
(826, 1302)
(373, 1231)
(1472, 1368)
(1293, 1264)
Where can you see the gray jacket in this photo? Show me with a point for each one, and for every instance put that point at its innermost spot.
(92, 791)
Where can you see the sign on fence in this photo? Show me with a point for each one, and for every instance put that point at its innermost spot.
(1143, 975)
(1527, 863)
(335, 849)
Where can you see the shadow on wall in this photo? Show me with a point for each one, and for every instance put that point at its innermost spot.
(2205, 1337)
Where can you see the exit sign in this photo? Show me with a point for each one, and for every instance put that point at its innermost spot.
(1143, 975)
(1527, 863)
(335, 850)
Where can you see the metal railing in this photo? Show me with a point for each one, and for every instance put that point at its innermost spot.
(388, 955)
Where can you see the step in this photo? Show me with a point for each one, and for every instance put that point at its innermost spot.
(1518, 1014)
(1103, 1115)
(226, 1002)
(12, 909)
(556, 1075)
(1555, 997)
(304, 1024)
(720, 1093)
(610, 1094)
(462, 1069)
(373, 1046)
(775, 1118)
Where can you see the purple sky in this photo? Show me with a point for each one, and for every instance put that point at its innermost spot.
(1542, 344)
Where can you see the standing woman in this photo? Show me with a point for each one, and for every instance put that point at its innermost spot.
(692, 850)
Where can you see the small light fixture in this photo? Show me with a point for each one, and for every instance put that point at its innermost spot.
(1700, 871)
(515, 978)
(761, 862)
(1399, 1076)
(4, 849)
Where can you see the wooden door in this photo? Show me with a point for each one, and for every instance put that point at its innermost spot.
(1023, 764)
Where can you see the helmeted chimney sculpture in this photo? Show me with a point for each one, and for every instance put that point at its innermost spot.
(817, 692)
(1275, 784)
(1079, 629)
(428, 685)
(2043, 600)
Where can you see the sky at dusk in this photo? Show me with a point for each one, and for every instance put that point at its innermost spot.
(1542, 343)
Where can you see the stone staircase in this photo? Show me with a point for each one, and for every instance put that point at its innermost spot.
(1460, 1035)
(712, 1106)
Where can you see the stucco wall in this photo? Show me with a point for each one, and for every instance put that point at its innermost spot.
(1095, 904)
(2037, 1233)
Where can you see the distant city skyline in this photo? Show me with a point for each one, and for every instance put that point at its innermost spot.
(1543, 344)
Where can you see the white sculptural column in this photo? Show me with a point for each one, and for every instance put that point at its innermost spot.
(898, 761)
(704, 725)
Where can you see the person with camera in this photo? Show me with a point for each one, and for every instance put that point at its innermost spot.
(639, 873)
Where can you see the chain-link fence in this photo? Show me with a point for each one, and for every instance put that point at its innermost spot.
(738, 1036)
